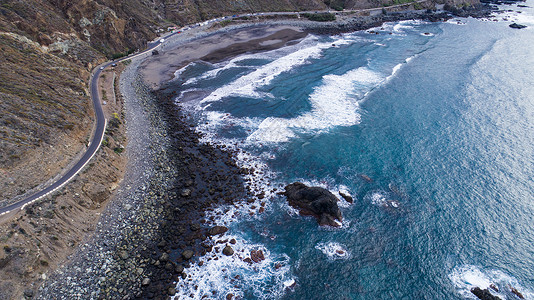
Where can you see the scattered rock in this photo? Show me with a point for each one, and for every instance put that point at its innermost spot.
(483, 294)
(517, 293)
(314, 201)
(347, 197)
(257, 256)
(124, 255)
(366, 178)
(217, 230)
(28, 293)
(187, 254)
(229, 296)
(164, 257)
(228, 251)
(517, 26)
(186, 193)
(146, 281)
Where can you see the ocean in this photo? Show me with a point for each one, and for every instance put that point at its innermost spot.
(428, 126)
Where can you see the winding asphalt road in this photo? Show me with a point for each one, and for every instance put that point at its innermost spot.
(96, 141)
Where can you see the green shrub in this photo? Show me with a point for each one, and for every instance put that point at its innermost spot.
(118, 150)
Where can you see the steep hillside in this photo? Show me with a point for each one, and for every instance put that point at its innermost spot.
(48, 49)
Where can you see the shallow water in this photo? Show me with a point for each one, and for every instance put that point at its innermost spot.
(439, 117)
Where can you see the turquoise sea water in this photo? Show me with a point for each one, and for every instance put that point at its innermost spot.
(429, 126)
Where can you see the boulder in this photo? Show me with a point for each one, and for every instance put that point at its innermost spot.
(347, 197)
(228, 251)
(484, 294)
(314, 201)
(217, 230)
(517, 293)
(517, 26)
(187, 254)
(257, 256)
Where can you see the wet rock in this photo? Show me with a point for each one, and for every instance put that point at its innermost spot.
(314, 201)
(179, 269)
(517, 293)
(483, 294)
(187, 254)
(228, 251)
(186, 193)
(171, 291)
(164, 257)
(517, 26)
(257, 256)
(217, 230)
(229, 296)
(366, 178)
(347, 197)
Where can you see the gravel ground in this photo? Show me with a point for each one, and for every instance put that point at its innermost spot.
(92, 270)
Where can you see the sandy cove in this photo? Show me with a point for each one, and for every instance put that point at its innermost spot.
(215, 47)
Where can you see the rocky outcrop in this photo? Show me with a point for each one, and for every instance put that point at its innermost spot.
(517, 26)
(484, 294)
(314, 201)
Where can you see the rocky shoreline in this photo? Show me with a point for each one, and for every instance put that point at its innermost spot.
(156, 225)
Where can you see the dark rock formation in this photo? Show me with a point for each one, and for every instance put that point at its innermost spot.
(228, 251)
(217, 230)
(517, 293)
(484, 294)
(347, 197)
(517, 26)
(257, 256)
(314, 201)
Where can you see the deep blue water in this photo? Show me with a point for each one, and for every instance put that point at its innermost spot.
(440, 117)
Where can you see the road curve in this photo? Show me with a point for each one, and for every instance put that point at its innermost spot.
(89, 153)
(96, 141)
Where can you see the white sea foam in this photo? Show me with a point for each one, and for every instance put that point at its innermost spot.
(334, 103)
(179, 72)
(524, 19)
(383, 199)
(345, 190)
(333, 250)
(467, 277)
(233, 63)
(247, 85)
(221, 275)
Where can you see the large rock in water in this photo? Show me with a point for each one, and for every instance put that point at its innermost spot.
(314, 201)
(484, 294)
